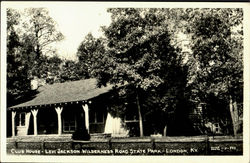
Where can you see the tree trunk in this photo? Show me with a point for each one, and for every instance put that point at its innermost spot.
(165, 131)
(139, 114)
(234, 114)
(38, 50)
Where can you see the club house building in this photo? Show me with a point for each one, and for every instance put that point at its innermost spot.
(62, 108)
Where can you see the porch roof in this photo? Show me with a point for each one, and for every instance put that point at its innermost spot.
(66, 92)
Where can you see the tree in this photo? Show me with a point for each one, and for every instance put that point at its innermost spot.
(26, 44)
(51, 68)
(139, 54)
(17, 80)
(89, 56)
(90, 53)
(41, 29)
(40, 32)
(70, 71)
(217, 47)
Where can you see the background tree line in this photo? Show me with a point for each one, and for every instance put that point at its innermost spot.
(140, 51)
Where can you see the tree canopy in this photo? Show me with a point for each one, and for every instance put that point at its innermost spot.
(217, 46)
(41, 29)
(140, 52)
(17, 80)
(140, 55)
(90, 53)
(29, 35)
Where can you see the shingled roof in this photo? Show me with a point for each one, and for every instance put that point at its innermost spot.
(73, 91)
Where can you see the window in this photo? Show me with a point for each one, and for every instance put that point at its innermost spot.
(69, 126)
(131, 118)
(216, 127)
(20, 121)
(96, 116)
(69, 122)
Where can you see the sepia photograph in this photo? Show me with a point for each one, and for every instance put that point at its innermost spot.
(87, 79)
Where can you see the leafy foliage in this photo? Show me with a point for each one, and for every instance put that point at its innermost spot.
(70, 71)
(139, 55)
(40, 28)
(17, 80)
(137, 51)
(26, 44)
(90, 55)
(217, 48)
(217, 45)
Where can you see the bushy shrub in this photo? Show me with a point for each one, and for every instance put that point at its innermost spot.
(81, 134)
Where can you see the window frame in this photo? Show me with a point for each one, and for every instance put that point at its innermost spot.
(95, 117)
(75, 125)
(136, 119)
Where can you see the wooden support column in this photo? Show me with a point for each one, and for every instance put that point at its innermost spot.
(34, 113)
(27, 122)
(86, 112)
(13, 115)
(59, 118)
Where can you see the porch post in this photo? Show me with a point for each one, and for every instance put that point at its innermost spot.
(27, 122)
(59, 118)
(34, 113)
(13, 114)
(86, 112)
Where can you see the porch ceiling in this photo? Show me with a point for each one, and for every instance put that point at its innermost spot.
(58, 93)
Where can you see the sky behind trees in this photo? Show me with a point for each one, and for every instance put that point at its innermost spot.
(75, 22)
